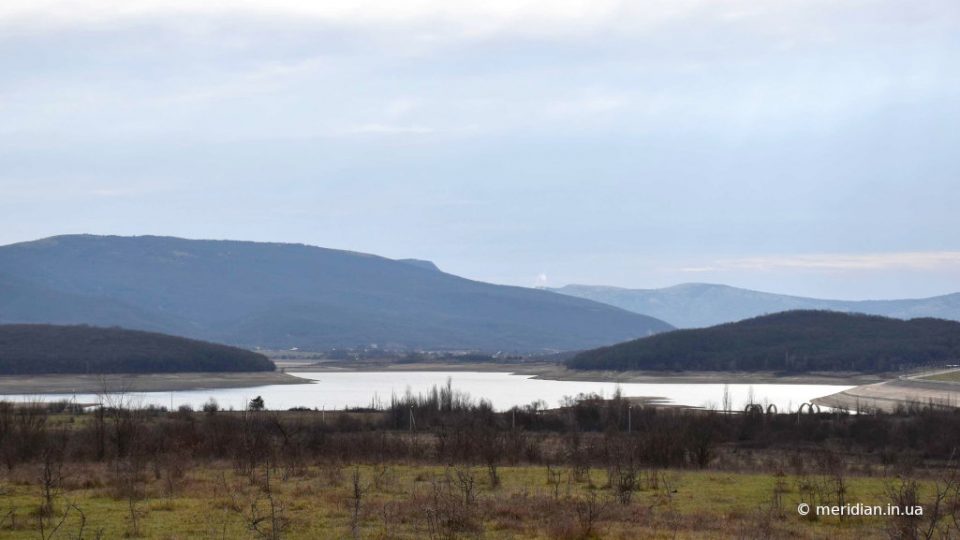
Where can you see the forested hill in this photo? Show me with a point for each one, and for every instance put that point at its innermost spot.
(39, 348)
(792, 341)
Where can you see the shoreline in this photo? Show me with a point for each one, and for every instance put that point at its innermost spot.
(888, 396)
(287, 374)
(556, 372)
(140, 382)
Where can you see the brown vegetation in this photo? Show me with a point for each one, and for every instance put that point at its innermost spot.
(442, 466)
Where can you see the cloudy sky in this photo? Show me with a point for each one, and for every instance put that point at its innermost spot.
(800, 146)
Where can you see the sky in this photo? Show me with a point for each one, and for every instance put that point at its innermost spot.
(800, 146)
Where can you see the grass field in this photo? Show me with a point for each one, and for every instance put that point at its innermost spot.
(947, 376)
(410, 501)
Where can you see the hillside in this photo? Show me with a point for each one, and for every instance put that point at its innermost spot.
(698, 305)
(285, 295)
(37, 348)
(793, 341)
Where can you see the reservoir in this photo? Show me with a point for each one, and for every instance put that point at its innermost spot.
(339, 390)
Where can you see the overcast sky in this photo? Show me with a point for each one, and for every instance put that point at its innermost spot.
(800, 146)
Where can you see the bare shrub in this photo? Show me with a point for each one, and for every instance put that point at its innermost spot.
(452, 506)
(358, 490)
(554, 480)
(589, 511)
(937, 516)
(261, 508)
(50, 476)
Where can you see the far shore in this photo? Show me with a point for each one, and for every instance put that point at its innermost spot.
(557, 372)
(147, 382)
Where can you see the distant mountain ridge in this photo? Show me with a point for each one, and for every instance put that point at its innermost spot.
(290, 295)
(428, 265)
(698, 305)
(792, 341)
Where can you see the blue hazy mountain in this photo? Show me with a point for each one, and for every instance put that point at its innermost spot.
(697, 305)
(291, 295)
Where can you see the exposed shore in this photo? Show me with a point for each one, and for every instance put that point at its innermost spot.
(887, 396)
(557, 372)
(153, 382)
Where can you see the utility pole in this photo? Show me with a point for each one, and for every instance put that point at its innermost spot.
(629, 418)
(412, 423)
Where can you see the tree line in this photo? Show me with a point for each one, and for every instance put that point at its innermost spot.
(446, 426)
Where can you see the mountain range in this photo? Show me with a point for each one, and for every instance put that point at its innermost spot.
(291, 295)
(697, 305)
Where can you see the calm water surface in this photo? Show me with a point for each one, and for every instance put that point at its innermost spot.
(504, 390)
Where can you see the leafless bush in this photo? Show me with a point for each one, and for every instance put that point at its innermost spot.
(624, 483)
(814, 490)
(262, 510)
(904, 494)
(776, 498)
(576, 456)
(332, 474)
(384, 478)
(47, 533)
(468, 485)
(355, 501)
(589, 510)
(170, 469)
(130, 487)
(50, 476)
(554, 480)
(937, 516)
(452, 506)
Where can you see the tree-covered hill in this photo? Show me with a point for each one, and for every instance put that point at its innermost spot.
(792, 341)
(39, 348)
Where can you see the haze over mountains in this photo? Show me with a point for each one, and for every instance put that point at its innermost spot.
(286, 295)
(696, 305)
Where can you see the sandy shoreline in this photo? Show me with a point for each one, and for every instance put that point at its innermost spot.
(556, 372)
(154, 382)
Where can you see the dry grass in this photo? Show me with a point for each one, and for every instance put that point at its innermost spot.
(409, 501)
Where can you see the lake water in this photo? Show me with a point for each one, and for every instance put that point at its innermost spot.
(504, 390)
